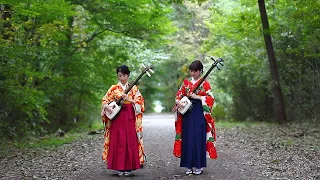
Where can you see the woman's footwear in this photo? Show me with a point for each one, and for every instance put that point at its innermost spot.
(198, 171)
(189, 171)
(127, 173)
(120, 173)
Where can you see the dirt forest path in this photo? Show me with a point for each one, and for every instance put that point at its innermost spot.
(232, 164)
(243, 154)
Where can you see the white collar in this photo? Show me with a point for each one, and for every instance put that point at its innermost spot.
(194, 81)
(124, 87)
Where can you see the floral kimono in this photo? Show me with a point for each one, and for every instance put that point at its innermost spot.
(207, 100)
(113, 94)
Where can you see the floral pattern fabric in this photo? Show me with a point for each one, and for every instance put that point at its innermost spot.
(114, 93)
(207, 100)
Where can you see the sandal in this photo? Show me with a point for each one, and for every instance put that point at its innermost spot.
(189, 171)
(198, 171)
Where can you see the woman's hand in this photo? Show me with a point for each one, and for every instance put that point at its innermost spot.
(106, 109)
(126, 98)
(194, 96)
(180, 104)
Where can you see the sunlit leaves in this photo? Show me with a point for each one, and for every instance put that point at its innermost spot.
(64, 55)
(236, 34)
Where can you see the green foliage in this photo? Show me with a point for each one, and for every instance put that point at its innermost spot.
(184, 47)
(287, 142)
(233, 124)
(183, 1)
(49, 142)
(219, 112)
(236, 35)
(298, 55)
(236, 38)
(169, 79)
(24, 66)
(58, 58)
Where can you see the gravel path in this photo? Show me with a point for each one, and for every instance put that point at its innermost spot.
(242, 155)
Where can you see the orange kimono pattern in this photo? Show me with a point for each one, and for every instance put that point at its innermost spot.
(207, 100)
(113, 94)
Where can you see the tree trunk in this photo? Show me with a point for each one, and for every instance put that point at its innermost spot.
(278, 98)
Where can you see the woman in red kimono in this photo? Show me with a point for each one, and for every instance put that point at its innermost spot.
(195, 130)
(123, 144)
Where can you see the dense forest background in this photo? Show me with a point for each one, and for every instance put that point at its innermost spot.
(58, 57)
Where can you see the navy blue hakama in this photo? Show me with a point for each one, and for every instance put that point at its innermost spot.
(194, 137)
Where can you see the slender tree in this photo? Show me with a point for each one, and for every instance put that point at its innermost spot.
(278, 98)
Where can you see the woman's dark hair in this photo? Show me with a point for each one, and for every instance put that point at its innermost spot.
(196, 65)
(123, 69)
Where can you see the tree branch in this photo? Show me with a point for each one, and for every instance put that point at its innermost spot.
(95, 34)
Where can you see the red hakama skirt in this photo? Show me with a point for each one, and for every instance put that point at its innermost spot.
(123, 149)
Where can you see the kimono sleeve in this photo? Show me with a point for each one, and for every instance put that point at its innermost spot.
(112, 94)
(109, 96)
(138, 98)
(182, 91)
(208, 99)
